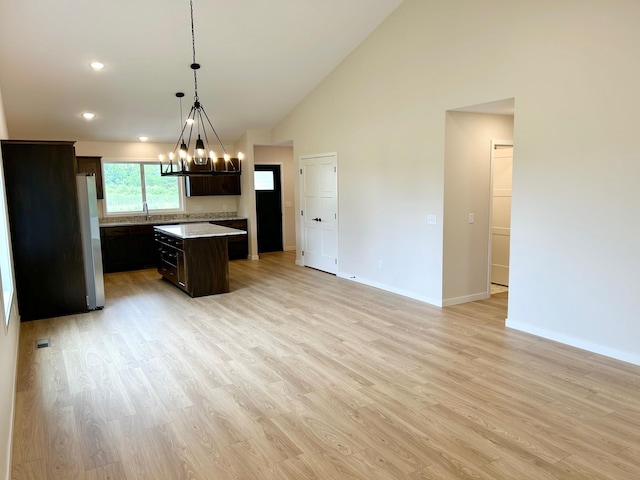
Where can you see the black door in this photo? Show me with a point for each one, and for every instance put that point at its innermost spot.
(268, 208)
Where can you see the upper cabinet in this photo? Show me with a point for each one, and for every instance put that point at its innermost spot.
(223, 184)
(212, 185)
(92, 165)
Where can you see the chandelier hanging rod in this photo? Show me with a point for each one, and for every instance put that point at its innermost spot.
(197, 115)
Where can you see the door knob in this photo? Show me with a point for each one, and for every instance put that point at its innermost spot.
(316, 219)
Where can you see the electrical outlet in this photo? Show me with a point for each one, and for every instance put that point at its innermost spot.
(197, 208)
(471, 218)
(379, 263)
(431, 220)
(224, 207)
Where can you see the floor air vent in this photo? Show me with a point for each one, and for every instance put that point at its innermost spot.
(42, 343)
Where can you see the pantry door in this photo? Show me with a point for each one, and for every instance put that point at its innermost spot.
(319, 211)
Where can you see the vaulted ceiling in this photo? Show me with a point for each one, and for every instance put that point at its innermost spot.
(259, 59)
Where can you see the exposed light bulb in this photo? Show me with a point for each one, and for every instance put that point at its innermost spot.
(240, 156)
(170, 155)
(212, 155)
(227, 157)
(189, 121)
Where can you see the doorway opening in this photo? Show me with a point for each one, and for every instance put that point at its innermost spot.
(268, 190)
(467, 227)
(500, 215)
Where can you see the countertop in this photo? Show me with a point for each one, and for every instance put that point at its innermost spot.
(198, 230)
(155, 220)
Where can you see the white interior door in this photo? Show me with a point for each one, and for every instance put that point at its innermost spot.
(319, 212)
(502, 169)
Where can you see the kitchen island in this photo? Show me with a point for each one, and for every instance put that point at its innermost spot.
(194, 256)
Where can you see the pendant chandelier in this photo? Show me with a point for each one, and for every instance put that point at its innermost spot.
(201, 159)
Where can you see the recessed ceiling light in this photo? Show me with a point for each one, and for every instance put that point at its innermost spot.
(143, 138)
(97, 65)
(88, 115)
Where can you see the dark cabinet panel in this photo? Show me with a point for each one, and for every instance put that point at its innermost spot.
(115, 249)
(42, 201)
(143, 248)
(92, 165)
(238, 244)
(212, 185)
(128, 248)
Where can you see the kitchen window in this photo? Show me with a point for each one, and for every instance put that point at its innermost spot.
(130, 186)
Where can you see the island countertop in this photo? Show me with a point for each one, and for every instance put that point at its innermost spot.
(198, 230)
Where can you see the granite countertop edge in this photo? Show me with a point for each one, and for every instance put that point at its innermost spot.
(187, 231)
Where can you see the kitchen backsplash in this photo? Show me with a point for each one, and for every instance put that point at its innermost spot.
(174, 217)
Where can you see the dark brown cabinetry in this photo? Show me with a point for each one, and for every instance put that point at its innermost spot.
(92, 165)
(128, 248)
(238, 244)
(42, 201)
(132, 247)
(198, 266)
(212, 185)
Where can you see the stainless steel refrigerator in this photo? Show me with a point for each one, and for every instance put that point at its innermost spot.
(90, 229)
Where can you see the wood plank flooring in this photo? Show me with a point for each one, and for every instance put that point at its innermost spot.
(297, 374)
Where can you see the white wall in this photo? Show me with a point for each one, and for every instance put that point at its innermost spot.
(8, 357)
(247, 203)
(467, 183)
(283, 156)
(574, 255)
(150, 152)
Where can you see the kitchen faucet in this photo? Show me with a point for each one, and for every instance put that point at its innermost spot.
(145, 209)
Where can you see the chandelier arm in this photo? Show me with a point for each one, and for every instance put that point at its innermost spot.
(181, 137)
(204, 130)
(190, 133)
(214, 130)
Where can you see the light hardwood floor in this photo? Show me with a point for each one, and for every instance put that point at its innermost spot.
(297, 374)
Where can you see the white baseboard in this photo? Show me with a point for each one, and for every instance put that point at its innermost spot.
(448, 302)
(289, 248)
(575, 342)
(299, 263)
(254, 257)
(386, 288)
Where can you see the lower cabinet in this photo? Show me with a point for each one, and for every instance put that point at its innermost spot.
(128, 248)
(197, 266)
